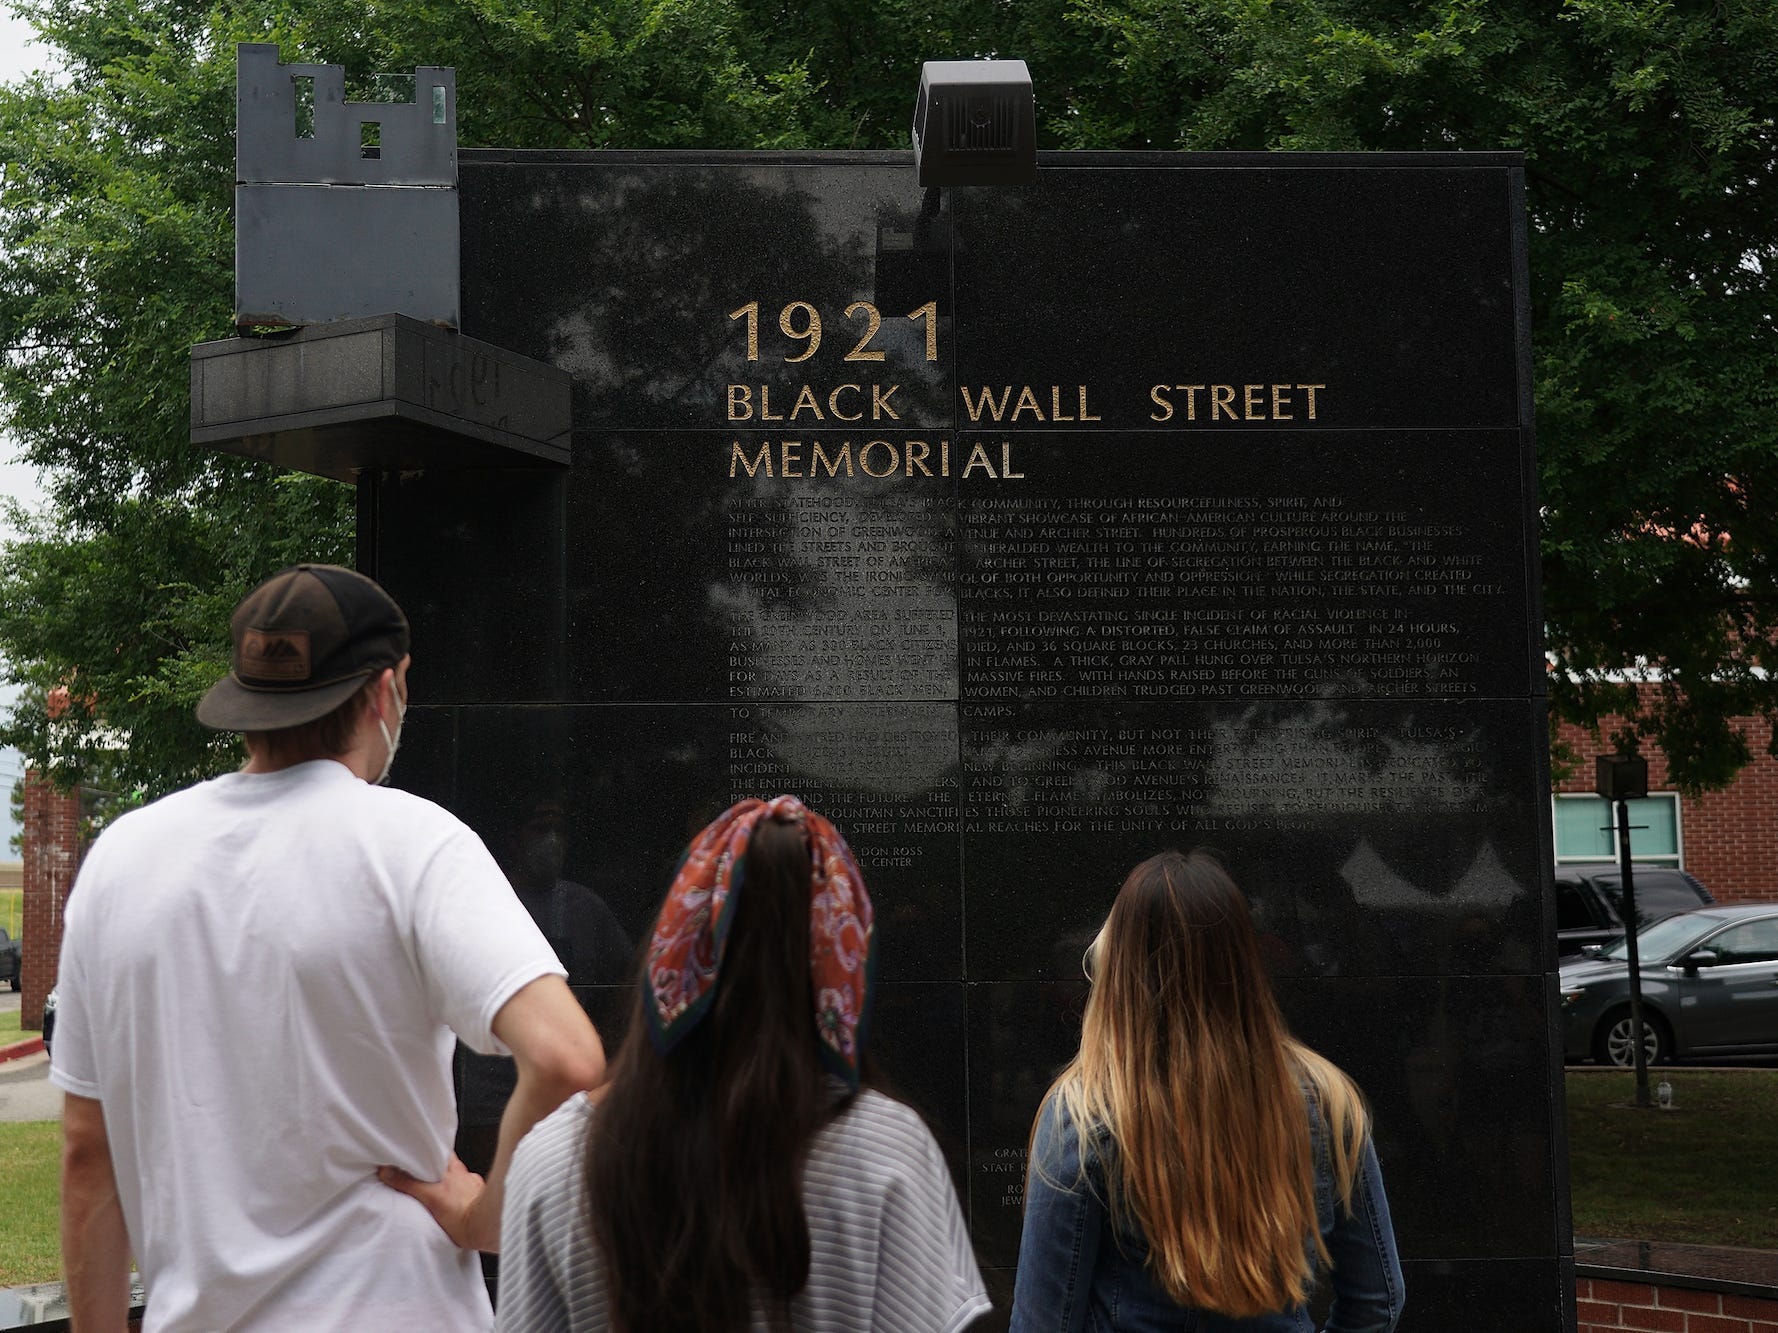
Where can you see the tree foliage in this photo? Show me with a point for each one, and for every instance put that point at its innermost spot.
(1648, 127)
(115, 255)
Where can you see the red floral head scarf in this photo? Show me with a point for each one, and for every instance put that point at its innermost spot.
(685, 953)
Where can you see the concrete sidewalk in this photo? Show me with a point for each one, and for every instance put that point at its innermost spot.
(27, 1043)
(26, 1092)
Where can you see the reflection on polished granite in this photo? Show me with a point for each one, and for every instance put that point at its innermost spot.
(1459, 1083)
(1704, 1267)
(486, 614)
(1222, 271)
(599, 265)
(754, 587)
(1320, 809)
(632, 783)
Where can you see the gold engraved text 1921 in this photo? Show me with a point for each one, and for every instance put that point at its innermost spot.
(800, 321)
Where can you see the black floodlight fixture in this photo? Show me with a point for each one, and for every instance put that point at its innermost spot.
(1620, 777)
(975, 123)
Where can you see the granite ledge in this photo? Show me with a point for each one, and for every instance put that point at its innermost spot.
(1718, 1268)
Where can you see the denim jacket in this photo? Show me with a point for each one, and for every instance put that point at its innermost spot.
(1078, 1274)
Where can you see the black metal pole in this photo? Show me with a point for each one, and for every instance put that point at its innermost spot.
(1639, 1054)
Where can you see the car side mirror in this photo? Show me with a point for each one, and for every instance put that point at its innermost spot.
(1592, 950)
(1698, 958)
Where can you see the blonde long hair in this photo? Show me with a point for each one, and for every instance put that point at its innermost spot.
(1187, 1068)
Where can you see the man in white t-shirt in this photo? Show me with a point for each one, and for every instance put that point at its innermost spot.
(262, 981)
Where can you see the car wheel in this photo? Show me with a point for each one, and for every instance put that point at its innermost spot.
(1611, 1042)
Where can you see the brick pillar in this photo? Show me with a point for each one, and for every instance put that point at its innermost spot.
(51, 842)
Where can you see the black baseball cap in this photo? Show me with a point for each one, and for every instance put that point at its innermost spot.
(305, 641)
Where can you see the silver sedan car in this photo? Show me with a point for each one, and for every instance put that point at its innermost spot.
(1709, 987)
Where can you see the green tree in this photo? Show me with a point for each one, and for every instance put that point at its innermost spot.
(115, 228)
(1648, 127)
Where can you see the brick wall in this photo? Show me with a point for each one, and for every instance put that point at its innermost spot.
(51, 838)
(1728, 839)
(1607, 1307)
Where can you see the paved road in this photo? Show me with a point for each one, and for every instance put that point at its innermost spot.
(26, 1092)
(9, 999)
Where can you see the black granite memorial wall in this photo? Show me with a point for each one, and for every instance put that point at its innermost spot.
(1174, 500)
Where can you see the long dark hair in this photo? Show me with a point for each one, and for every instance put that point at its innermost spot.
(694, 1167)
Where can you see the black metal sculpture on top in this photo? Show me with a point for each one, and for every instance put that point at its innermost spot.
(342, 209)
(347, 272)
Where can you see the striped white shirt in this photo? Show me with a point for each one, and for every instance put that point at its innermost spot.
(888, 1249)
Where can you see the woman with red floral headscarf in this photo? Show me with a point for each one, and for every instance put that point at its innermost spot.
(735, 1173)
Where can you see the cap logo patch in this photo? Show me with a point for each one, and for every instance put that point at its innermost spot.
(281, 654)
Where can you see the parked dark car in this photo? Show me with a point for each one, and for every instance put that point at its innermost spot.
(1709, 987)
(11, 959)
(1590, 902)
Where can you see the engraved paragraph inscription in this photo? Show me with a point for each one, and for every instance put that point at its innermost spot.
(1216, 596)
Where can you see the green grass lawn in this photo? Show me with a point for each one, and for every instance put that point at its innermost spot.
(1699, 1174)
(10, 1030)
(30, 1164)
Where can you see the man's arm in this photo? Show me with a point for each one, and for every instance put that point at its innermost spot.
(95, 1243)
(558, 1053)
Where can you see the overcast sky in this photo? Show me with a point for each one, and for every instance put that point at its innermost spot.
(18, 56)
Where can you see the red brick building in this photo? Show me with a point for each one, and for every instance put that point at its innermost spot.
(1728, 839)
(1607, 1306)
(51, 855)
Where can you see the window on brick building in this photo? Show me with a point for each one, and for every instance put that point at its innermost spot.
(1586, 829)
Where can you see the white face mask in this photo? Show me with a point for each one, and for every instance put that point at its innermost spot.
(393, 742)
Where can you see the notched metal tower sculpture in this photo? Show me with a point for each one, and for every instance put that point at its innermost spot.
(347, 272)
(342, 209)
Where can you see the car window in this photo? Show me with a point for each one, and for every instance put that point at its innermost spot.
(1669, 892)
(1753, 942)
(1658, 894)
(1573, 910)
(1663, 939)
